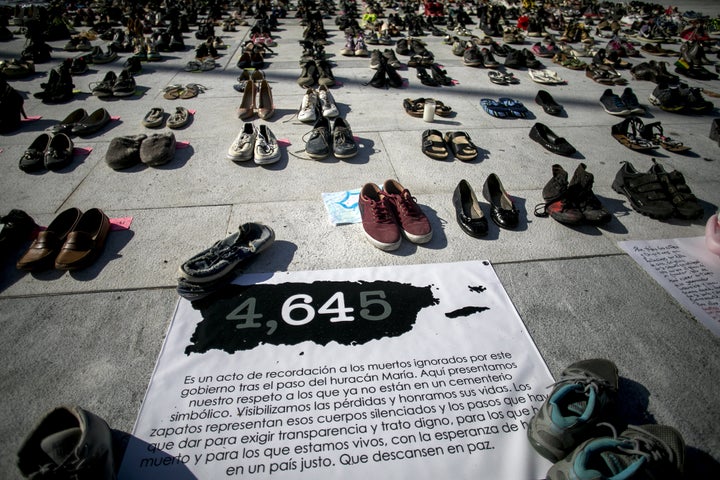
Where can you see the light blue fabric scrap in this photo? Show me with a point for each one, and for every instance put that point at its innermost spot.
(342, 207)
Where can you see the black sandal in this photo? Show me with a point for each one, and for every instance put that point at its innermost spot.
(629, 133)
(425, 77)
(653, 132)
(434, 146)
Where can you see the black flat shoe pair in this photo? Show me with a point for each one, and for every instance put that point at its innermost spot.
(51, 152)
(470, 215)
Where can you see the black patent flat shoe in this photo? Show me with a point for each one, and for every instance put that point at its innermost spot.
(548, 103)
(542, 134)
(502, 208)
(468, 213)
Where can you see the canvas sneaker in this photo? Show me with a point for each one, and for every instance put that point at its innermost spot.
(631, 102)
(327, 102)
(613, 104)
(378, 220)
(267, 150)
(225, 255)
(642, 452)
(104, 88)
(578, 402)
(308, 107)
(413, 222)
(243, 147)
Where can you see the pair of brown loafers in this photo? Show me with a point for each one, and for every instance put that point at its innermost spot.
(72, 241)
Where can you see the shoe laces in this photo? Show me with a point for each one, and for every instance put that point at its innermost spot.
(381, 211)
(642, 443)
(407, 205)
(309, 102)
(262, 144)
(341, 137)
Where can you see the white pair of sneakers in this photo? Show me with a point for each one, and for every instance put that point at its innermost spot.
(316, 102)
(255, 143)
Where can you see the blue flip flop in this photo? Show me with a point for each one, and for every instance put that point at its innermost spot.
(494, 108)
(516, 108)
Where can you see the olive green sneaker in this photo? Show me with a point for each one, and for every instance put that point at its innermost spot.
(578, 402)
(645, 452)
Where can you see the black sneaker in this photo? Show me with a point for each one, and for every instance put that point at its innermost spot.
(631, 102)
(319, 143)
(125, 84)
(344, 145)
(667, 97)
(105, 87)
(693, 99)
(645, 191)
(225, 255)
(325, 74)
(686, 204)
(613, 104)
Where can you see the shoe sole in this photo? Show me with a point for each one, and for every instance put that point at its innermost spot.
(266, 161)
(386, 247)
(418, 239)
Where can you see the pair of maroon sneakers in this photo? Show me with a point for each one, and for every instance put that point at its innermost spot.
(391, 212)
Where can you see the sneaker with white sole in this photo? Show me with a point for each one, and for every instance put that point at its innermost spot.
(327, 103)
(378, 220)
(308, 107)
(579, 401)
(413, 222)
(267, 150)
(243, 147)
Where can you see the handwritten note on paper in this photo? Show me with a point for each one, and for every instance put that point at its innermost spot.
(687, 270)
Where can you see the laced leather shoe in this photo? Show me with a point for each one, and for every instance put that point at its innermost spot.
(344, 145)
(319, 142)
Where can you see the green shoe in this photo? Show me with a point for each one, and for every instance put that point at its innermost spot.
(645, 452)
(577, 404)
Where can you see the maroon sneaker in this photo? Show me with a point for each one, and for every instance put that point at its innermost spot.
(413, 222)
(379, 222)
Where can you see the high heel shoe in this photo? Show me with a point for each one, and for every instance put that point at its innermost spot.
(265, 108)
(247, 105)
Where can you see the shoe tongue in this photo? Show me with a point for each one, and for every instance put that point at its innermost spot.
(60, 445)
(578, 407)
(616, 463)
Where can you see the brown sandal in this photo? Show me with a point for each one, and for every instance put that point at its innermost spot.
(173, 92)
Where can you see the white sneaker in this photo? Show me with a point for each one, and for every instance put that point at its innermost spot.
(267, 150)
(308, 108)
(327, 103)
(242, 148)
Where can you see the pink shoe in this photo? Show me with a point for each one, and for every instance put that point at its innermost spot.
(712, 234)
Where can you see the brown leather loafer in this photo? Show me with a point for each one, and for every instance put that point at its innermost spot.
(85, 242)
(45, 247)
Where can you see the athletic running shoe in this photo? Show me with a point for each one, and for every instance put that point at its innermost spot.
(578, 402)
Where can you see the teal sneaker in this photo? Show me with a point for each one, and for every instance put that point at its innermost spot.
(645, 452)
(579, 401)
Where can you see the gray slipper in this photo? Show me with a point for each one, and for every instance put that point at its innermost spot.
(179, 119)
(124, 152)
(158, 149)
(154, 118)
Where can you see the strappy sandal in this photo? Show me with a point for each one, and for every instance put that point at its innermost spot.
(191, 90)
(628, 133)
(434, 146)
(461, 146)
(497, 77)
(600, 75)
(517, 109)
(173, 92)
(494, 108)
(653, 132)
(416, 107)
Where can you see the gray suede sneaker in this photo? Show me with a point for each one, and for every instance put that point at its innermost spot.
(645, 452)
(579, 401)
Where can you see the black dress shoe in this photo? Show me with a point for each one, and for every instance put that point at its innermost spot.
(502, 208)
(542, 134)
(468, 213)
(548, 103)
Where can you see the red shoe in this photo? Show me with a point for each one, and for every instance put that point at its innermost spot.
(413, 222)
(378, 220)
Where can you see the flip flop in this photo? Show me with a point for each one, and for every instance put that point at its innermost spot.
(191, 90)
(516, 108)
(434, 146)
(494, 108)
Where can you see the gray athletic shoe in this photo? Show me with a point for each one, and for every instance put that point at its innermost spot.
(578, 402)
(222, 258)
(645, 452)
